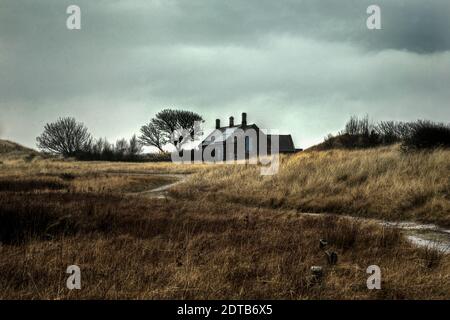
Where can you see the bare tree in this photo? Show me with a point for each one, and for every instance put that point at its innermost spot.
(177, 127)
(389, 131)
(152, 136)
(98, 146)
(121, 147)
(65, 137)
(356, 126)
(134, 146)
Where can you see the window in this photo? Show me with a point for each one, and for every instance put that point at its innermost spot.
(247, 144)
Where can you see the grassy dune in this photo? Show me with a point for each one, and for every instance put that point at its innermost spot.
(227, 233)
(383, 183)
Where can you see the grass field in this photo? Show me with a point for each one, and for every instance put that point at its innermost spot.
(383, 183)
(227, 232)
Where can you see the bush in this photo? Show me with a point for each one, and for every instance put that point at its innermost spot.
(103, 150)
(391, 132)
(360, 133)
(427, 135)
(358, 127)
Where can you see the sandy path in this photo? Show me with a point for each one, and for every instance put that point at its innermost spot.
(161, 191)
(422, 235)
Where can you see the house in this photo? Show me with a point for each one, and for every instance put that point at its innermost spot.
(243, 141)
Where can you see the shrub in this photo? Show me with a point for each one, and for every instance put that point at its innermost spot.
(102, 150)
(356, 126)
(427, 135)
(359, 133)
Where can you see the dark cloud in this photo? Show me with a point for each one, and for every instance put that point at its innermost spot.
(413, 25)
(302, 65)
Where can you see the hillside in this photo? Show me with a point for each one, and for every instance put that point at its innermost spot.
(11, 151)
(383, 183)
(7, 146)
(345, 141)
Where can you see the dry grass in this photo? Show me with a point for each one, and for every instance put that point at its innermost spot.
(95, 182)
(383, 183)
(20, 166)
(18, 172)
(244, 241)
(146, 248)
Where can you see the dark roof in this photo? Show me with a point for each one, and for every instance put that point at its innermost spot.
(285, 142)
(224, 130)
(238, 126)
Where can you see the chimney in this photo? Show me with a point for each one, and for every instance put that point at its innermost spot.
(231, 121)
(217, 123)
(244, 119)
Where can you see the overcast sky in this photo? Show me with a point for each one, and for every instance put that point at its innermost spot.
(302, 67)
